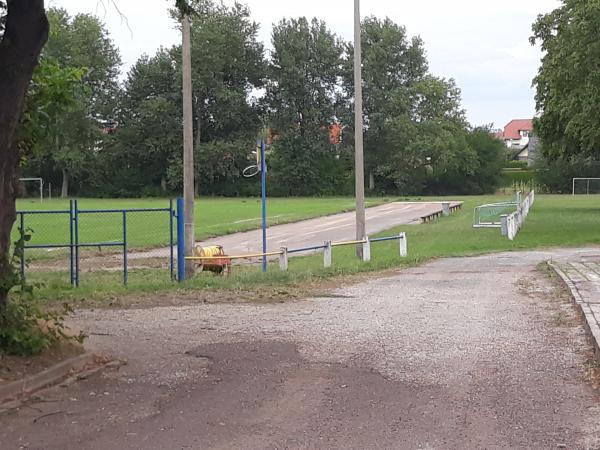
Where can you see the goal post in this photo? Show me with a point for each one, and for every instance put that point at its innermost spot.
(586, 186)
(40, 183)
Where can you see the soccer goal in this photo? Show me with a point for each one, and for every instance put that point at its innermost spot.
(31, 187)
(586, 186)
(490, 215)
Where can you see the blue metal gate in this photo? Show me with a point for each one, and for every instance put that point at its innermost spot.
(94, 228)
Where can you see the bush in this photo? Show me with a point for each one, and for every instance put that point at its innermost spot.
(516, 165)
(557, 175)
(509, 178)
(25, 327)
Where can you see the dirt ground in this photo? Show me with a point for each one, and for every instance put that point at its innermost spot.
(461, 353)
(16, 367)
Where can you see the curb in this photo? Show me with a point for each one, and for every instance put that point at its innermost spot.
(591, 324)
(46, 378)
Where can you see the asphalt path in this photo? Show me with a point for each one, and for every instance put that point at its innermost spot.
(306, 233)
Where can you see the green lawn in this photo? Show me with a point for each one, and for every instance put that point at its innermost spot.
(214, 217)
(554, 221)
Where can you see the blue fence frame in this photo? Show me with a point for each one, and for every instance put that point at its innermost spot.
(74, 245)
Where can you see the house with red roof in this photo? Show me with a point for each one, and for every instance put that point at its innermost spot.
(516, 133)
(519, 139)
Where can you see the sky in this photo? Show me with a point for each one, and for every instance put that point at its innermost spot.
(483, 45)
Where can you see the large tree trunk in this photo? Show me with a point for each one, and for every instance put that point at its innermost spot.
(64, 191)
(371, 181)
(25, 34)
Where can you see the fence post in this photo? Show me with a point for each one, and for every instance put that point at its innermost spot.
(22, 232)
(511, 227)
(403, 245)
(446, 209)
(171, 240)
(76, 212)
(283, 259)
(504, 225)
(180, 241)
(125, 274)
(366, 249)
(327, 255)
(71, 240)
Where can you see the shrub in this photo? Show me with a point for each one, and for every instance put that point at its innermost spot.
(25, 327)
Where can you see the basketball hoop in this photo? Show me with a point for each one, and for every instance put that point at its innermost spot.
(251, 171)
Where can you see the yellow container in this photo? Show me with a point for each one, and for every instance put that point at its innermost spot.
(217, 265)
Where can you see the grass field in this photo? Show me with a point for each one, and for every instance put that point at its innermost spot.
(554, 221)
(214, 217)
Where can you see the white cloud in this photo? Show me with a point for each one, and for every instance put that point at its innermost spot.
(482, 44)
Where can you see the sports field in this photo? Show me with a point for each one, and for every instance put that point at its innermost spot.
(214, 217)
(554, 221)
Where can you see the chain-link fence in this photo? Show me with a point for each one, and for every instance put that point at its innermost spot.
(79, 243)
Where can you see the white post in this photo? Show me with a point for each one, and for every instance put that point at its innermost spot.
(446, 209)
(366, 250)
(512, 227)
(327, 255)
(504, 226)
(283, 259)
(403, 245)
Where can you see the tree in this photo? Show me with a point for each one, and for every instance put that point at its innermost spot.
(80, 42)
(568, 81)
(137, 156)
(393, 63)
(414, 125)
(303, 97)
(228, 67)
(24, 34)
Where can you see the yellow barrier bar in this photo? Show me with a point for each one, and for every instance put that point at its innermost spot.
(253, 255)
(339, 244)
(260, 255)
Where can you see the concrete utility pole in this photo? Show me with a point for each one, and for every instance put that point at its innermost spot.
(359, 168)
(188, 147)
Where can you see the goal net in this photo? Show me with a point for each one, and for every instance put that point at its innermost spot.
(586, 186)
(490, 215)
(32, 188)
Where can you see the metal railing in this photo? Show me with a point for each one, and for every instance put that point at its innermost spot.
(327, 248)
(110, 231)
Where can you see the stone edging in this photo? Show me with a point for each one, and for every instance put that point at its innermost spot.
(51, 376)
(591, 324)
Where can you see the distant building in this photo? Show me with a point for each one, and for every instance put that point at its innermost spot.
(520, 141)
(517, 133)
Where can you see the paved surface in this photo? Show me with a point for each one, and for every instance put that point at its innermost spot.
(582, 276)
(306, 233)
(458, 354)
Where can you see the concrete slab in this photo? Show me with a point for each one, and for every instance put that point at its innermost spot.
(582, 280)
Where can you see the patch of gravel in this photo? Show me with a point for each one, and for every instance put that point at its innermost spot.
(466, 348)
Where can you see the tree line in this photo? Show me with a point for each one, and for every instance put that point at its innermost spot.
(111, 138)
(568, 93)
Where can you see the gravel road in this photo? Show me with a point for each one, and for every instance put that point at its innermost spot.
(457, 354)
